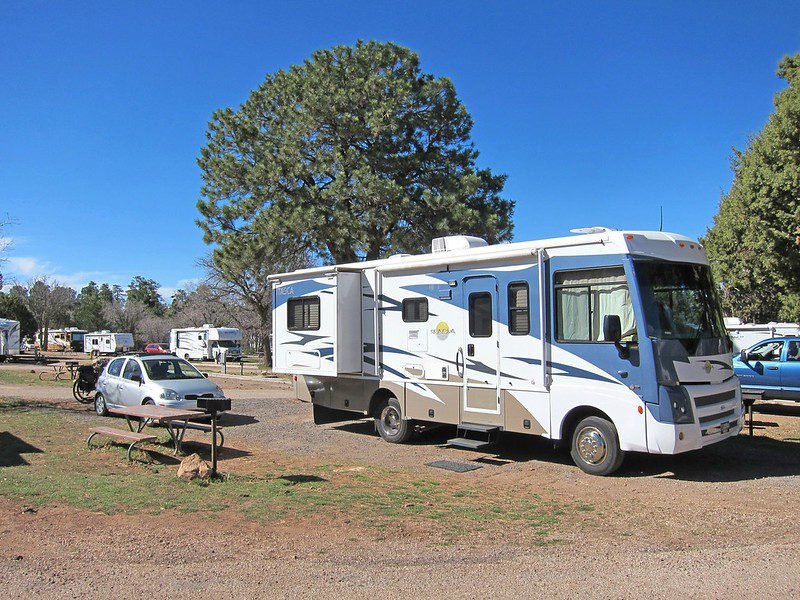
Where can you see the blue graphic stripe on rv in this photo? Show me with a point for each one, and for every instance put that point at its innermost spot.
(305, 338)
(300, 288)
(569, 371)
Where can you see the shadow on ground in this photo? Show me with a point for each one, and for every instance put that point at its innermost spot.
(741, 458)
(12, 448)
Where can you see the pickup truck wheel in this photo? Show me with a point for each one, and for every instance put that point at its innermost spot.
(391, 425)
(595, 446)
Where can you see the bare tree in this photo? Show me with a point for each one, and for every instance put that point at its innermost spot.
(49, 302)
(126, 315)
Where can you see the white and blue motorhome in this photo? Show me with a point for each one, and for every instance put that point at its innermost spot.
(220, 344)
(9, 339)
(610, 341)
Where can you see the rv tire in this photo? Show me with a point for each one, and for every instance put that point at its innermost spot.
(390, 423)
(595, 446)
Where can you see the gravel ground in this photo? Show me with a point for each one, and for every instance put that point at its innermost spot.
(717, 523)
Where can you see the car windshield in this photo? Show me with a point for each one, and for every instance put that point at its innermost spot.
(680, 301)
(162, 369)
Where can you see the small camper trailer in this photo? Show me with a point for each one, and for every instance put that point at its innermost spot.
(219, 344)
(610, 341)
(9, 339)
(106, 342)
(69, 339)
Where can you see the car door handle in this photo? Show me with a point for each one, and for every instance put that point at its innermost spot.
(772, 368)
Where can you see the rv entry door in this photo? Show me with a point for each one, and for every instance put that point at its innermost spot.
(481, 353)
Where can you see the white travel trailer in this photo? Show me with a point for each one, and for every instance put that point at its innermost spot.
(9, 339)
(745, 335)
(67, 339)
(610, 341)
(106, 342)
(206, 343)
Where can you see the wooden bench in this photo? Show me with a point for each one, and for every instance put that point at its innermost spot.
(131, 436)
(201, 427)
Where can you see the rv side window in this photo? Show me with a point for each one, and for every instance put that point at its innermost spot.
(303, 314)
(584, 298)
(518, 309)
(480, 314)
(415, 310)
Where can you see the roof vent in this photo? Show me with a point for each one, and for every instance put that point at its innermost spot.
(457, 242)
(208, 326)
(591, 230)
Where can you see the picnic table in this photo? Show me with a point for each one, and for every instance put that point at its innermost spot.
(176, 420)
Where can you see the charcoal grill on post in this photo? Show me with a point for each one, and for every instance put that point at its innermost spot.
(213, 406)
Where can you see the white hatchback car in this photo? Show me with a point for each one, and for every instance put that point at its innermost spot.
(162, 379)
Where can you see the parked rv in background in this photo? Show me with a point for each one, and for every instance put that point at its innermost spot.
(106, 342)
(746, 335)
(610, 341)
(9, 339)
(65, 340)
(206, 343)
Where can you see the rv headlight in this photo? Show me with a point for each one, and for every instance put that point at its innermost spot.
(679, 410)
(168, 394)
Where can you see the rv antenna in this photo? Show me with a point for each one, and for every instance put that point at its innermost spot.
(661, 219)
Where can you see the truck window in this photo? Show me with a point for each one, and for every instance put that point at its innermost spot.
(480, 314)
(415, 310)
(519, 322)
(303, 314)
(584, 298)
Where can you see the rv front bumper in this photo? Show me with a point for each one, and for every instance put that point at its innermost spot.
(718, 414)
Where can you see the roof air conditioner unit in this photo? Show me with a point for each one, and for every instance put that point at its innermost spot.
(457, 242)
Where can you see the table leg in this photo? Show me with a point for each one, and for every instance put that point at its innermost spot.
(128, 421)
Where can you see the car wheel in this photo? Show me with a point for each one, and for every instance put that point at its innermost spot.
(186, 356)
(100, 405)
(595, 446)
(391, 425)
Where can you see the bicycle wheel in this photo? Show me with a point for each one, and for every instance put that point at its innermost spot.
(81, 396)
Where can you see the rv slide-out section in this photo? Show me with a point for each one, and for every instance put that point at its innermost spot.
(565, 338)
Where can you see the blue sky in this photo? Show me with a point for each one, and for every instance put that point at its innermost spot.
(599, 113)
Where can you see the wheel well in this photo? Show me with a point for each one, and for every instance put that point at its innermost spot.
(575, 416)
(146, 400)
(379, 398)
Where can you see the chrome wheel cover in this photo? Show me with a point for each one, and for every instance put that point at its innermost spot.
(591, 445)
(390, 420)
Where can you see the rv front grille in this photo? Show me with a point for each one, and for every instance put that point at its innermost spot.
(716, 417)
(710, 399)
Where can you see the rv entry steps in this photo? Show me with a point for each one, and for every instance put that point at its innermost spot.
(474, 436)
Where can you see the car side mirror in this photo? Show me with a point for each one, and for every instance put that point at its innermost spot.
(205, 375)
(743, 356)
(137, 378)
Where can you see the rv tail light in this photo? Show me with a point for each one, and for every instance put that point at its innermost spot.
(295, 377)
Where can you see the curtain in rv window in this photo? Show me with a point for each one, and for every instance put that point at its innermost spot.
(303, 314)
(415, 310)
(584, 298)
(519, 322)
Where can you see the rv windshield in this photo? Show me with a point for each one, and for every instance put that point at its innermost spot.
(170, 368)
(680, 301)
(228, 343)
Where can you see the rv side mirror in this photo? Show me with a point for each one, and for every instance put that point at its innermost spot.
(612, 328)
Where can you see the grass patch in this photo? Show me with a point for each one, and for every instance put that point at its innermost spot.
(60, 469)
(9, 377)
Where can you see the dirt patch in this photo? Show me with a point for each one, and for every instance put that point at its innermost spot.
(362, 516)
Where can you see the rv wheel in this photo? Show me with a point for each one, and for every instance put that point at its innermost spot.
(391, 425)
(595, 446)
